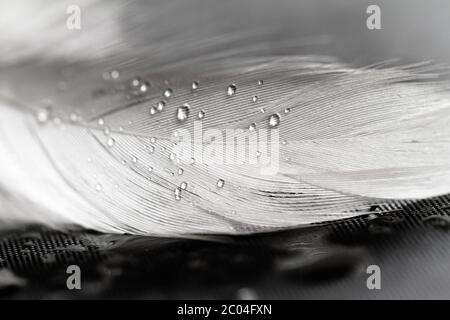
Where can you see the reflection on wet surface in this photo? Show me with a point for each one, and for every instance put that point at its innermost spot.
(328, 261)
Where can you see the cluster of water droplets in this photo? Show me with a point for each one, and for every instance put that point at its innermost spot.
(140, 87)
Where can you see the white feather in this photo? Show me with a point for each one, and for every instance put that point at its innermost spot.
(355, 137)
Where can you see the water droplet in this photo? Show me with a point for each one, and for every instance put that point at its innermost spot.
(177, 193)
(134, 159)
(73, 117)
(255, 98)
(283, 142)
(172, 156)
(274, 120)
(135, 83)
(115, 74)
(151, 149)
(252, 127)
(262, 110)
(194, 85)
(42, 115)
(287, 110)
(192, 161)
(150, 169)
(231, 90)
(160, 105)
(152, 139)
(98, 187)
(440, 222)
(144, 87)
(110, 142)
(152, 110)
(258, 154)
(101, 122)
(183, 185)
(183, 112)
(220, 183)
(168, 92)
(201, 114)
(106, 75)
(180, 171)
(260, 82)
(124, 162)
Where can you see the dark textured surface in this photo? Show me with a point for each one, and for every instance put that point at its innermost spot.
(410, 245)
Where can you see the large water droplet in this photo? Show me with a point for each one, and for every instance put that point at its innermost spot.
(180, 171)
(160, 106)
(255, 98)
(168, 92)
(110, 142)
(252, 127)
(42, 115)
(231, 90)
(115, 74)
(201, 114)
(152, 111)
(194, 85)
(441, 222)
(183, 185)
(183, 112)
(274, 120)
(144, 87)
(220, 183)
